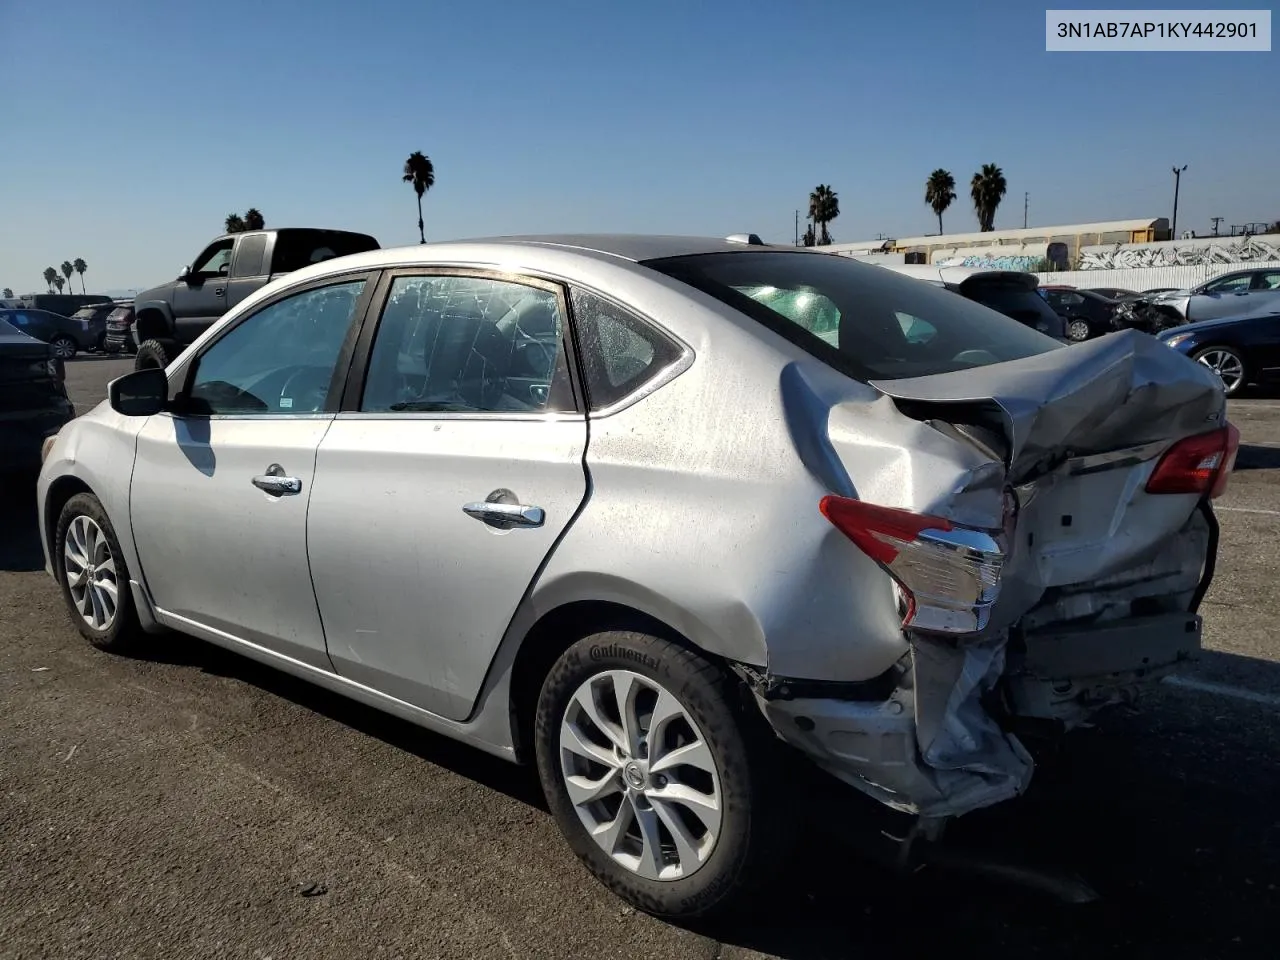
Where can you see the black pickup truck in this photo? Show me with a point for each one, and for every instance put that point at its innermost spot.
(169, 317)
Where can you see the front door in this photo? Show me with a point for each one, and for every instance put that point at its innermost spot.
(441, 491)
(201, 297)
(218, 501)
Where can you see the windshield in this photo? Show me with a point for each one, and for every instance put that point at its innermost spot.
(872, 323)
(85, 313)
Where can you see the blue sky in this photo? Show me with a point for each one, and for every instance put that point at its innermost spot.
(132, 128)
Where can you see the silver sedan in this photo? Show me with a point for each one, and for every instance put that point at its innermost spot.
(659, 514)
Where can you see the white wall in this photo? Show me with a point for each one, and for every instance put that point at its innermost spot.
(1149, 277)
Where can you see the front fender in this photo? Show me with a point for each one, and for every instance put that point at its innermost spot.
(151, 314)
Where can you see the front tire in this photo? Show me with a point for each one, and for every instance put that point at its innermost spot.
(1228, 365)
(1078, 330)
(154, 354)
(64, 348)
(93, 575)
(660, 775)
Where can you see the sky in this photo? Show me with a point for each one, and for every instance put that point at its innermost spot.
(132, 128)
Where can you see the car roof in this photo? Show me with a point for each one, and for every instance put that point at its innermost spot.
(635, 247)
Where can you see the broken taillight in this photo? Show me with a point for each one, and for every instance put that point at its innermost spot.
(949, 575)
(1201, 464)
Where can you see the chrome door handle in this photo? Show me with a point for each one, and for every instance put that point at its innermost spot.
(275, 482)
(505, 514)
(219, 291)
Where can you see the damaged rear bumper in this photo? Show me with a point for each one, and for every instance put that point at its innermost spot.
(941, 744)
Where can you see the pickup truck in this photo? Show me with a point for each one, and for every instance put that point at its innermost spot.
(169, 317)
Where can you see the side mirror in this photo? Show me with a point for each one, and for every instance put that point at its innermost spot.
(185, 274)
(139, 394)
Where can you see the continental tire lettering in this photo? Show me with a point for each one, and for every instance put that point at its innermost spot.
(603, 651)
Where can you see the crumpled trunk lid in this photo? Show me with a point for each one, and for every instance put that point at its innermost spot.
(1069, 437)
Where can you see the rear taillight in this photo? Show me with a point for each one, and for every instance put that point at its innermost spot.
(949, 575)
(1201, 464)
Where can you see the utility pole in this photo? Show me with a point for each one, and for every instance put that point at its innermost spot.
(1026, 202)
(1177, 181)
(1216, 221)
(797, 228)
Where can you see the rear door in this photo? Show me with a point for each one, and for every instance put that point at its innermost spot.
(445, 481)
(248, 267)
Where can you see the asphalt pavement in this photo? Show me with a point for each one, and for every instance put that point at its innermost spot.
(192, 804)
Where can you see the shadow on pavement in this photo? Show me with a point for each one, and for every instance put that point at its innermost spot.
(1251, 456)
(19, 529)
(1170, 814)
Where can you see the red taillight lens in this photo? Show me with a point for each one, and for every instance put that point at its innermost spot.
(1201, 464)
(949, 575)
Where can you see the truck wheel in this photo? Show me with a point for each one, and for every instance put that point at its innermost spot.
(663, 780)
(154, 353)
(64, 348)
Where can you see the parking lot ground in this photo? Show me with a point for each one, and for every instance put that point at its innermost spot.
(185, 804)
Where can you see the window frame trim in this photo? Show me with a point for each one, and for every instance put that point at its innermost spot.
(353, 390)
(189, 368)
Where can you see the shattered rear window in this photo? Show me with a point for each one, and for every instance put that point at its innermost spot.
(869, 322)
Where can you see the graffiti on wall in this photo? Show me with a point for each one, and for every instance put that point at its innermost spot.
(1190, 254)
(991, 263)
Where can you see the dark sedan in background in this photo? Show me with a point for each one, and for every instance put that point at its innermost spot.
(65, 335)
(92, 321)
(33, 398)
(1113, 293)
(1087, 314)
(1240, 350)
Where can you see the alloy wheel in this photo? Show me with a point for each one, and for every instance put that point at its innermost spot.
(641, 776)
(1078, 330)
(90, 569)
(1228, 367)
(64, 349)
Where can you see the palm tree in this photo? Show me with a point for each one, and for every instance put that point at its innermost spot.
(8, 293)
(67, 270)
(939, 191)
(987, 189)
(59, 282)
(234, 223)
(824, 206)
(49, 274)
(81, 267)
(419, 172)
(253, 219)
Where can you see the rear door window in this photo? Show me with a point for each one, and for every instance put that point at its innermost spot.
(249, 256)
(296, 249)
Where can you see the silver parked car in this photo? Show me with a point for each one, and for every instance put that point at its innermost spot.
(658, 514)
(1229, 295)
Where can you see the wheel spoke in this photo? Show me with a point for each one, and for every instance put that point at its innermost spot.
(572, 739)
(609, 834)
(703, 806)
(626, 688)
(108, 595)
(687, 846)
(585, 790)
(650, 865)
(696, 754)
(108, 567)
(586, 700)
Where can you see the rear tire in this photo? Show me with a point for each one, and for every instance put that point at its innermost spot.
(154, 354)
(721, 799)
(1077, 330)
(93, 575)
(64, 348)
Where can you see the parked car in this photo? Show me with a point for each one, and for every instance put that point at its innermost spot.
(63, 304)
(1229, 295)
(1113, 293)
(119, 335)
(1240, 350)
(65, 335)
(33, 398)
(1010, 292)
(787, 537)
(93, 323)
(1087, 314)
(230, 269)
